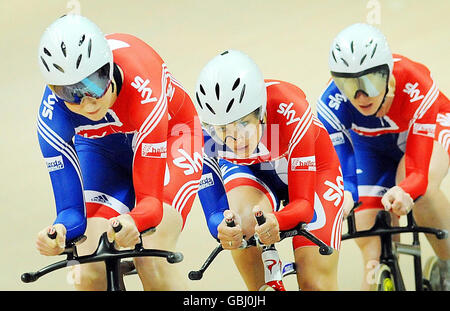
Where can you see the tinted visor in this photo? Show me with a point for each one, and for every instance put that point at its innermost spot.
(95, 85)
(372, 82)
(245, 125)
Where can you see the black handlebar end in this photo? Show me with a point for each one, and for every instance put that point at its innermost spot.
(260, 218)
(230, 222)
(28, 277)
(117, 226)
(442, 234)
(52, 233)
(325, 250)
(175, 258)
(195, 275)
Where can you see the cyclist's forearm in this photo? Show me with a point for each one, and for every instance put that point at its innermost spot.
(147, 213)
(295, 212)
(212, 194)
(74, 220)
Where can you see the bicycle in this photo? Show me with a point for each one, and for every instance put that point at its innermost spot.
(274, 269)
(116, 269)
(388, 276)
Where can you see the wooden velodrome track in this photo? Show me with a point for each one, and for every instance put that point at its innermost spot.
(288, 39)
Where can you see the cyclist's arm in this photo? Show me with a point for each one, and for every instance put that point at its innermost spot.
(336, 120)
(212, 195)
(149, 164)
(419, 147)
(55, 133)
(301, 175)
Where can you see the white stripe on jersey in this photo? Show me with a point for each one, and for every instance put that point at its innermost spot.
(59, 145)
(337, 229)
(320, 215)
(329, 116)
(444, 139)
(155, 116)
(300, 130)
(184, 193)
(213, 165)
(256, 179)
(98, 197)
(426, 103)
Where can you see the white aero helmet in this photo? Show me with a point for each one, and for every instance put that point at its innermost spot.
(361, 51)
(228, 88)
(71, 50)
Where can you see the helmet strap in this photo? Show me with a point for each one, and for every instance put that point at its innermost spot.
(390, 89)
(117, 78)
(382, 102)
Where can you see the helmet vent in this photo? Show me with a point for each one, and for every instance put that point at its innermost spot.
(63, 49)
(334, 57)
(89, 48)
(374, 49)
(45, 64)
(210, 108)
(79, 61)
(223, 53)
(58, 67)
(236, 83)
(242, 94)
(47, 52)
(230, 104)
(344, 61)
(338, 47)
(351, 47)
(370, 42)
(362, 59)
(202, 90)
(198, 100)
(83, 37)
(217, 91)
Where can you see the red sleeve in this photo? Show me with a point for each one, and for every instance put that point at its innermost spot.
(149, 169)
(301, 172)
(419, 144)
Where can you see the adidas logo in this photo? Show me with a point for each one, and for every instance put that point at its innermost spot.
(103, 199)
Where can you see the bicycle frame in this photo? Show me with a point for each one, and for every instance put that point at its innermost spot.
(382, 228)
(107, 253)
(254, 241)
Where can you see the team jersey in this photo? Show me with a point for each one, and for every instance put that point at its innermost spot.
(148, 108)
(410, 124)
(293, 136)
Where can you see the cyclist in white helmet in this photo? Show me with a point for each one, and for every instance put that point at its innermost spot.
(266, 151)
(390, 125)
(104, 131)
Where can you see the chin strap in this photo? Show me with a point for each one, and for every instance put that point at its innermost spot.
(390, 89)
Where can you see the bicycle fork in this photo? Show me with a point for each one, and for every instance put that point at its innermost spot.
(273, 273)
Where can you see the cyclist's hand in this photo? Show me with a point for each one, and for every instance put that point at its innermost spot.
(397, 200)
(128, 236)
(51, 247)
(348, 203)
(230, 237)
(268, 232)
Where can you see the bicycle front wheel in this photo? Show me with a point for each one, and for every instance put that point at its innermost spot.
(384, 280)
(431, 275)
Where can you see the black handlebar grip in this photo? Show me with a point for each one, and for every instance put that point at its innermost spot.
(230, 222)
(260, 218)
(52, 233)
(117, 226)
